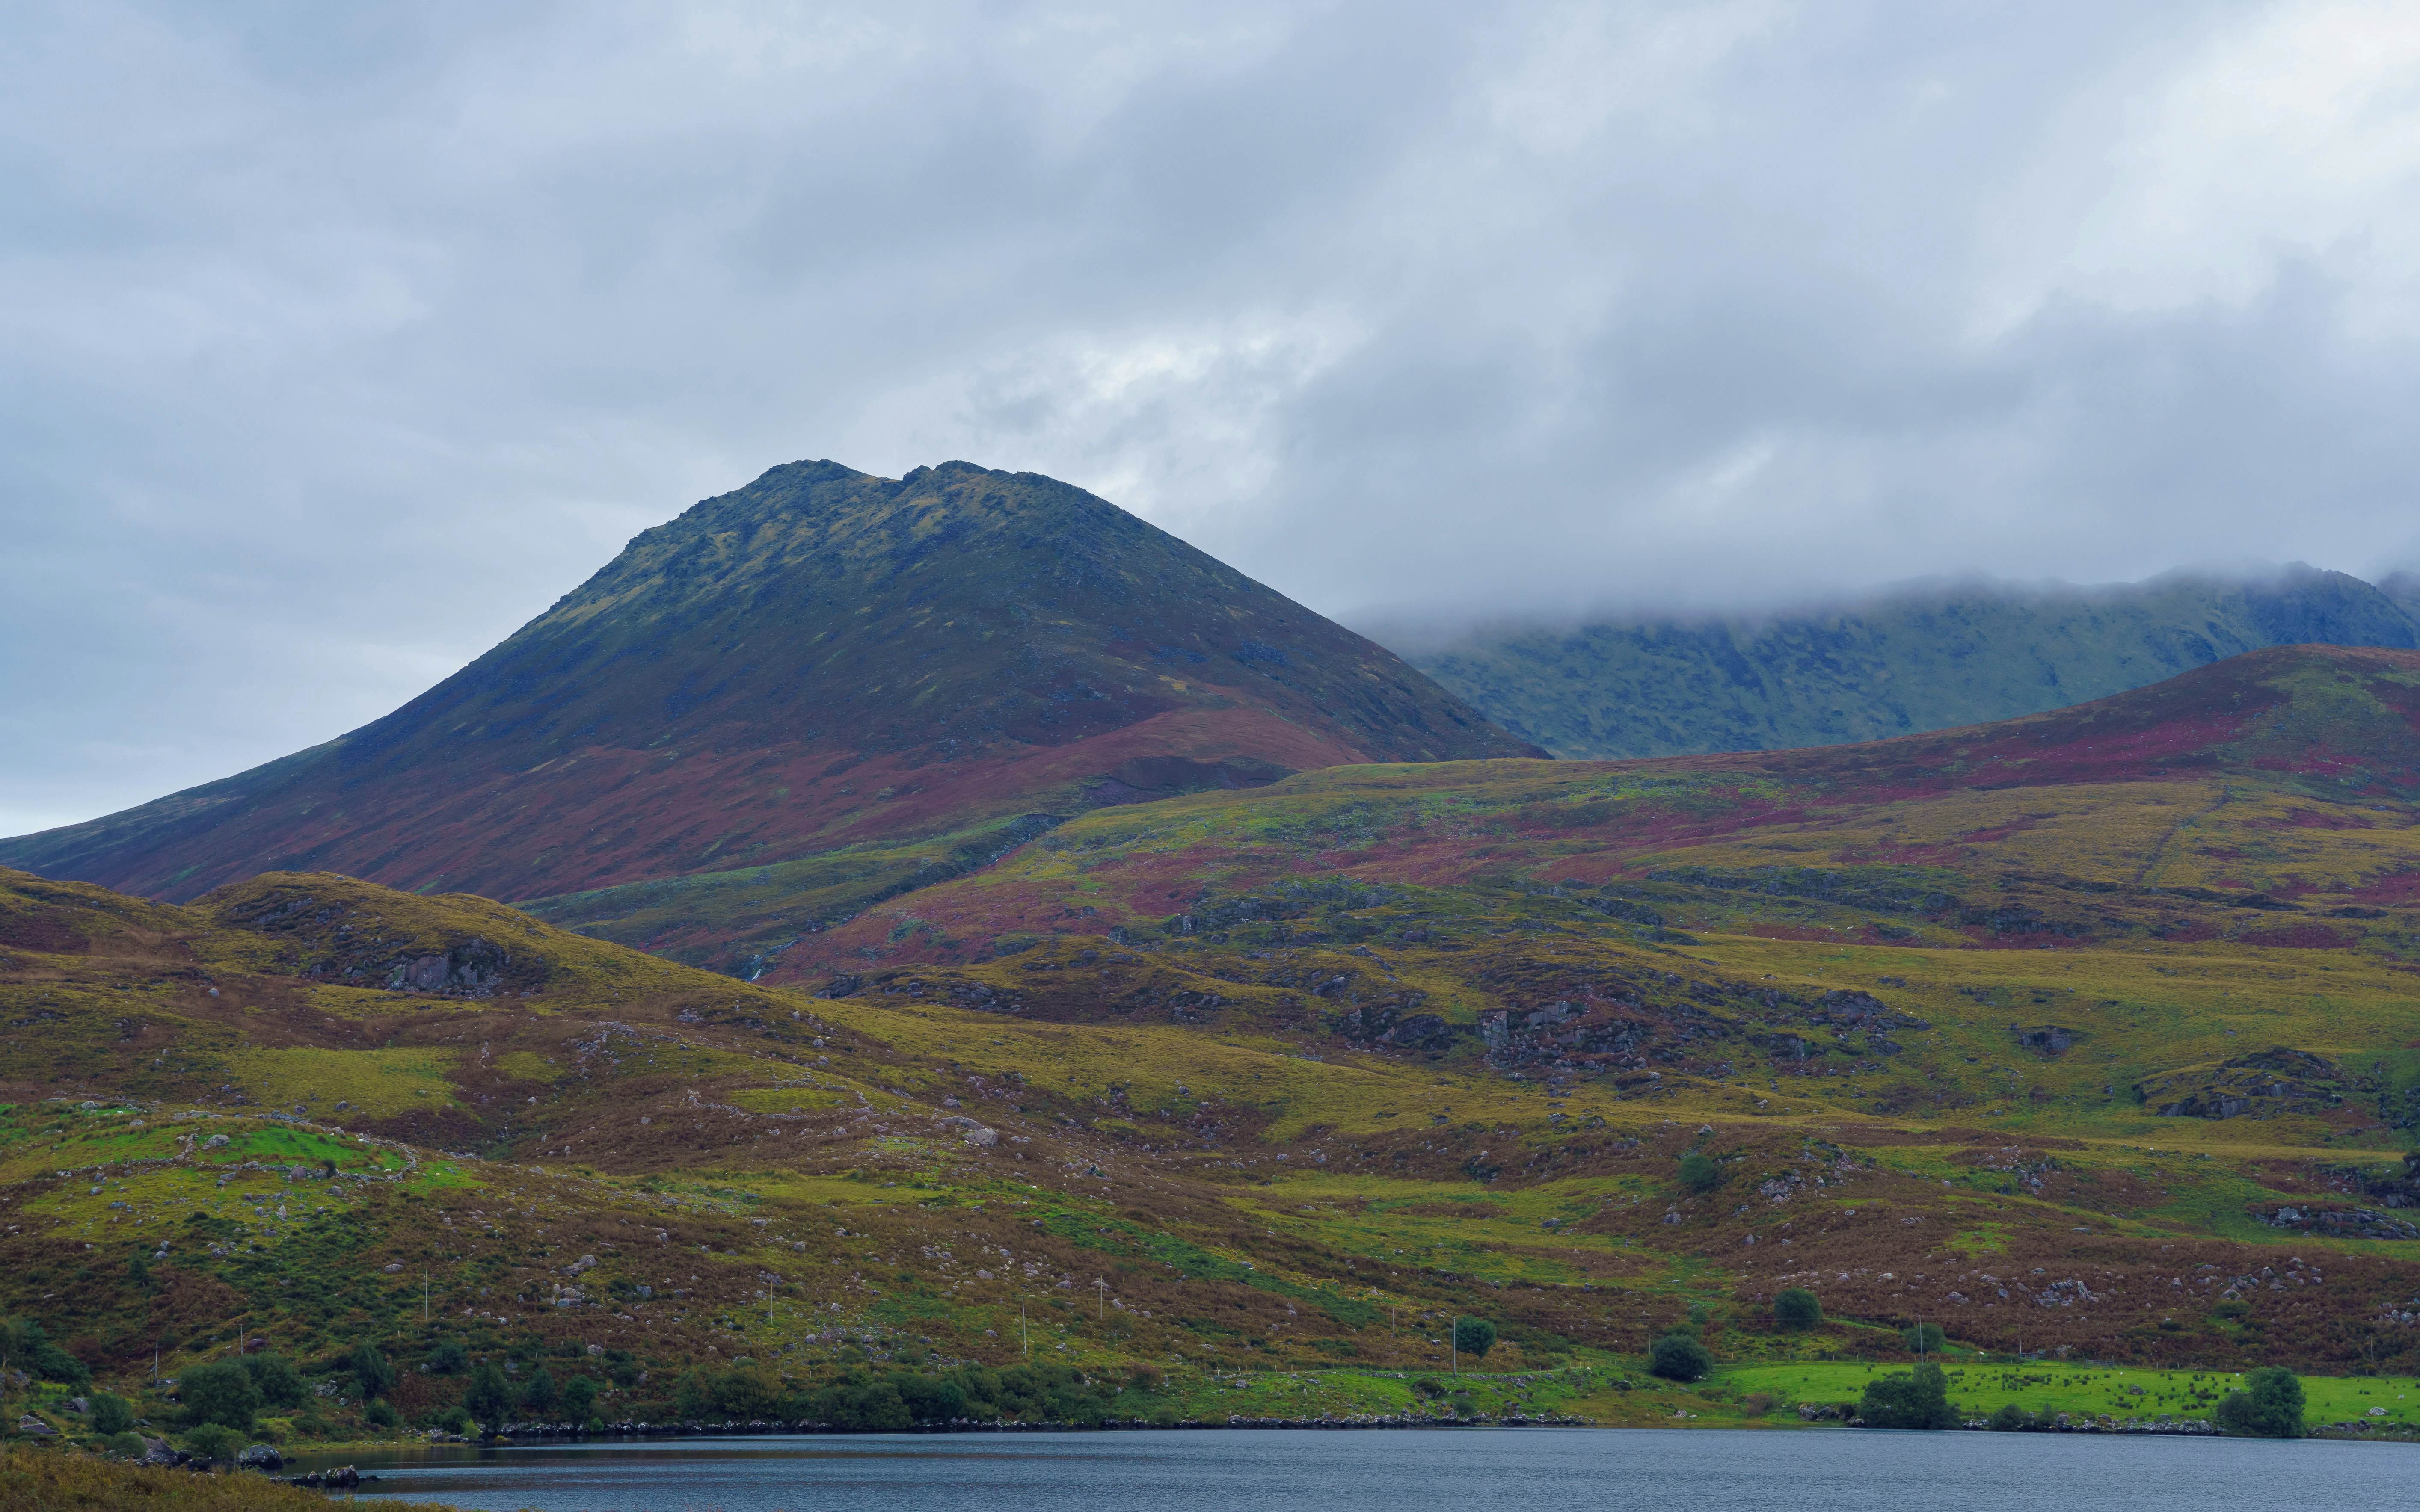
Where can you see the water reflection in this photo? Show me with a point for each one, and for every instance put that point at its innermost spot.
(1470, 1471)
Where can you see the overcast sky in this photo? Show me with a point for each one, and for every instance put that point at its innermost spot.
(336, 341)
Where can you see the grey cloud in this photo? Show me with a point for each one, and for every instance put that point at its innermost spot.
(338, 343)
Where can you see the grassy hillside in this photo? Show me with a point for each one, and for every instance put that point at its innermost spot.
(2087, 1035)
(1923, 659)
(818, 660)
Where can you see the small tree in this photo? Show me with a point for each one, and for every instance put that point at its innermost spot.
(1796, 1307)
(1918, 1399)
(746, 1390)
(110, 1413)
(274, 1375)
(448, 1358)
(1679, 1356)
(1924, 1338)
(489, 1399)
(213, 1442)
(538, 1395)
(1699, 1174)
(2269, 1407)
(373, 1377)
(1474, 1337)
(693, 1398)
(220, 1392)
(580, 1397)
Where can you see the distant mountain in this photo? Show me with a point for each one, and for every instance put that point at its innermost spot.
(1919, 659)
(820, 659)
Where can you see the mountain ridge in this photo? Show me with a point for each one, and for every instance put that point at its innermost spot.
(1916, 659)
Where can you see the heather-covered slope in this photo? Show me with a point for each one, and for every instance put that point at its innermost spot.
(1920, 661)
(819, 659)
(2089, 1031)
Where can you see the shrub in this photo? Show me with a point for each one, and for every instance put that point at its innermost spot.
(928, 1399)
(379, 1415)
(1146, 1378)
(580, 1397)
(274, 1377)
(2269, 1407)
(1918, 1399)
(1679, 1357)
(2011, 1418)
(746, 1390)
(220, 1392)
(538, 1395)
(1699, 1174)
(125, 1443)
(1796, 1307)
(213, 1442)
(448, 1358)
(1474, 1337)
(454, 1420)
(488, 1400)
(109, 1413)
(867, 1406)
(1429, 1386)
(372, 1375)
(1924, 1338)
(24, 1345)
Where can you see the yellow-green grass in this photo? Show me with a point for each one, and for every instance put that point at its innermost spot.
(380, 1082)
(1979, 1388)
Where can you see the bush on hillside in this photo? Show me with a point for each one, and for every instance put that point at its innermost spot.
(580, 1399)
(220, 1392)
(274, 1377)
(1699, 1174)
(109, 1413)
(1924, 1338)
(215, 1443)
(448, 1358)
(1796, 1307)
(1474, 1337)
(1918, 1399)
(373, 1377)
(1679, 1357)
(2269, 1407)
(24, 1345)
(490, 1399)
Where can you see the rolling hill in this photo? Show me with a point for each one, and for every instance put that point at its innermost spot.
(822, 660)
(1922, 658)
(2091, 1030)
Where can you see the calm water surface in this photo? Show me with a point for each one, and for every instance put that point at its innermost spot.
(1278, 1471)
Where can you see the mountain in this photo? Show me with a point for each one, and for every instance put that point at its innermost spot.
(820, 659)
(1918, 659)
(1232, 1102)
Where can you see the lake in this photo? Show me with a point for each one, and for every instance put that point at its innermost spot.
(1277, 1470)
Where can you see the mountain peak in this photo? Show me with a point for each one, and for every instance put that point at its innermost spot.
(823, 657)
